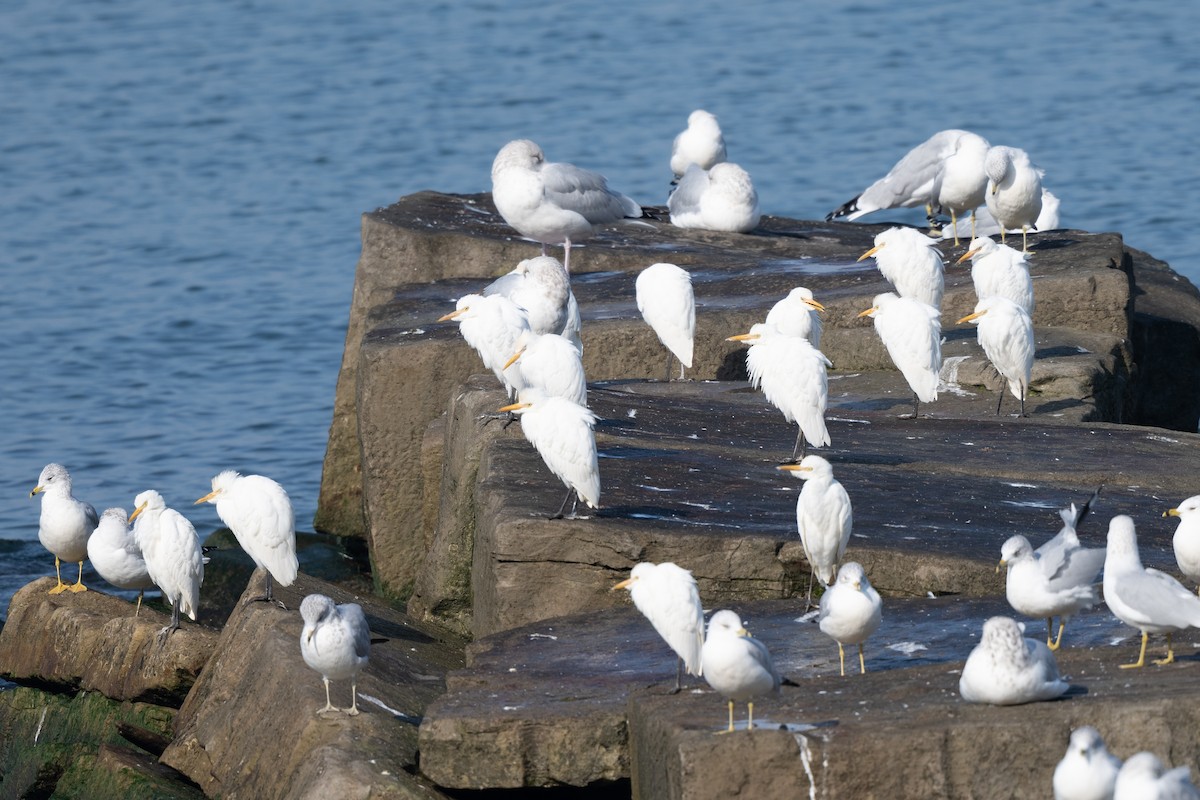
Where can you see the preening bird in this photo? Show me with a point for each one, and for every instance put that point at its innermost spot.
(997, 269)
(1186, 542)
(909, 260)
(719, 199)
(797, 315)
(1006, 669)
(850, 611)
(65, 523)
(542, 289)
(335, 642)
(912, 333)
(1087, 771)
(701, 143)
(737, 665)
(792, 375)
(1143, 777)
(562, 433)
(959, 182)
(173, 555)
(553, 203)
(986, 225)
(551, 363)
(492, 326)
(666, 594)
(116, 556)
(1005, 333)
(1146, 599)
(665, 299)
(824, 518)
(1014, 190)
(259, 512)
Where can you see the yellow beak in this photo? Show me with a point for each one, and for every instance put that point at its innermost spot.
(207, 497)
(1171, 512)
(1002, 563)
(137, 511)
(512, 360)
(37, 489)
(743, 337)
(870, 252)
(515, 407)
(869, 311)
(814, 305)
(451, 315)
(970, 317)
(622, 585)
(794, 468)
(966, 255)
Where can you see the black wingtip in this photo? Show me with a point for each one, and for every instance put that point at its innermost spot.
(844, 210)
(1083, 512)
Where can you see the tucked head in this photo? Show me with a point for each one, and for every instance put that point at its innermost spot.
(853, 574)
(115, 516)
(517, 153)
(1004, 634)
(1122, 536)
(314, 609)
(726, 622)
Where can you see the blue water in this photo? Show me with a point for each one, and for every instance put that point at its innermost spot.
(181, 184)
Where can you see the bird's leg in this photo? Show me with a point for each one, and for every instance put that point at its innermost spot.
(139, 603)
(79, 587)
(1024, 238)
(329, 706)
(812, 576)
(667, 377)
(1141, 662)
(174, 626)
(1023, 414)
(681, 373)
(730, 728)
(567, 255)
(862, 664)
(1062, 626)
(1002, 232)
(678, 676)
(954, 226)
(1050, 633)
(353, 709)
(916, 404)
(972, 224)
(61, 587)
(842, 658)
(999, 400)
(563, 507)
(749, 715)
(1170, 659)
(799, 448)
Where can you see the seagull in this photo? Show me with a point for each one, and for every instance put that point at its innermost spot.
(1005, 332)
(553, 203)
(910, 261)
(550, 362)
(986, 225)
(259, 512)
(959, 182)
(116, 556)
(65, 523)
(796, 315)
(719, 199)
(1143, 777)
(792, 375)
(666, 594)
(1186, 541)
(824, 518)
(492, 326)
(1087, 771)
(1146, 599)
(1006, 669)
(1014, 191)
(335, 642)
(562, 433)
(850, 611)
(173, 555)
(701, 143)
(912, 333)
(665, 300)
(737, 665)
(542, 289)
(997, 269)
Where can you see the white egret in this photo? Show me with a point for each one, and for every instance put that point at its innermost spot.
(850, 611)
(1087, 770)
(797, 315)
(719, 199)
(1146, 599)
(335, 642)
(909, 183)
(997, 269)
(1014, 191)
(910, 261)
(665, 299)
(1186, 542)
(491, 326)
(986, 225)
(542, 289)
(259, 512)
(912, 333)
(1005, 332)
(551, 363)
(1006, 669)
(824, 518)
(666, 594)
(737, 665)
(792, 375)
(65, 523)
(115, 554)
(172, 551)
(959, 181)
(1143, 777)
(553, 203)
(561, 431)
(701, 143)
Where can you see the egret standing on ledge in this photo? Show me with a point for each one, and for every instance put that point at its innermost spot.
(912, 333)
(561, 431)
(665, 299)
(65, 523)
(666, 595)
(910, 261)
(824, 519)
(1006, 336)
(172, 552)
(796, 315)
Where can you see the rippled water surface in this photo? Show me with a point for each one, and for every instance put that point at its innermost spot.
(181, 184)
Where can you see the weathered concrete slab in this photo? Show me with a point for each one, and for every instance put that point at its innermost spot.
(249, 727)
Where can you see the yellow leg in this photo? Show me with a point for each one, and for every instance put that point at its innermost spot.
(1024, 238)
(954, 226)
(1002, 234)
(139, 603)
(1050, 633)
(862, 664)
(842, 658)
(730, 728)
(79, 587)
(1170, 659)
(61, 587)
(1062, 625)
(1141, 662)
(750, 715)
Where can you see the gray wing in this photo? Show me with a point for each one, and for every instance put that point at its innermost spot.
(1076, 567)
(1159, 599)
(586, 193)
(353, 614)
(910, 182)
(505, 285)
(686, 197)
(92, 516)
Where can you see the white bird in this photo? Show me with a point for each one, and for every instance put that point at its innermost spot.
(65, 523)
(665, 299)
(1186, 542)
(912, 333)
(910, 261)
(666, 594)
(959, 181)
(797, 315)
(997, 269)
(553, 203)
(1006, 669)
(562, 433)
(850, 611)
(792, 375)
(909, 183)
(259, 512)
(335, 642)
(550, 362)
(986, 225)
(492, 326)
(719, 199)
(1034, 589)
(1005, 332)
(542, 289)
(737, 665)
(701, 143)
(173, 555)
(1146, 599)
(1014, 191)
(1143, 777)
(824, 518)
(1087, 771)
(116, 556)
